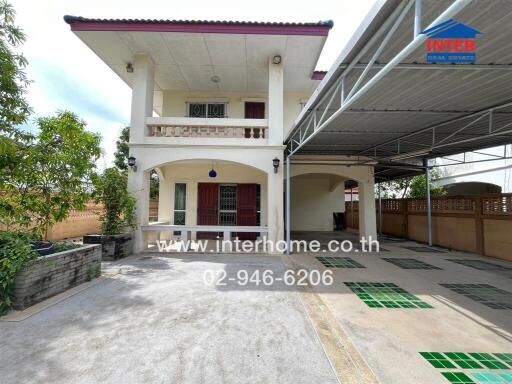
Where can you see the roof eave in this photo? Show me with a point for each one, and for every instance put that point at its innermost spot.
(307, 29)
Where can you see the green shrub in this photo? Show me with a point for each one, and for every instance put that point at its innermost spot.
(119, 206)
(15, 252)
(62, 246)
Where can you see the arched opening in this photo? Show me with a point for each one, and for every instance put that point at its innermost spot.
(317, 202)
(331, 201)
(212, 192)
(202, 193)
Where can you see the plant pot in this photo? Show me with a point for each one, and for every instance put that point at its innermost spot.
(42, 247)
(50, 275)
(113, 247)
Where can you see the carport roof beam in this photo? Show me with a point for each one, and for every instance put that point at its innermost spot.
(450, 12)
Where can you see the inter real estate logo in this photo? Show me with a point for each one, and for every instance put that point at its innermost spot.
(451, 42)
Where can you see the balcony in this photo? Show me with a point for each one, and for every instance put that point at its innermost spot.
(185, 130)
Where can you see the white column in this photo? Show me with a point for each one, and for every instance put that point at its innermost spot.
(165, 205)
(142, 107)
(275, 103)
(367, 216)
(275, 210)
(142, 96)
(191, 215)
(138, 186)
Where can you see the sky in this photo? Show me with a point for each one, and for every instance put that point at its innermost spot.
(67, 75)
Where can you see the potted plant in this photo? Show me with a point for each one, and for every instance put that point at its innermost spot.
(118, 217)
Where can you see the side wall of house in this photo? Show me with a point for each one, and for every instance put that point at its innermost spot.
(313, 201)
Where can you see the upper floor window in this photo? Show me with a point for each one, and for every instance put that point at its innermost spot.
(216, 110)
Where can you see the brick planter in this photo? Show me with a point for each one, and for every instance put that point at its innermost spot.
(113, 246)
(49, 275)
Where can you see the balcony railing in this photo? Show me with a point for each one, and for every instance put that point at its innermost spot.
(207, 127)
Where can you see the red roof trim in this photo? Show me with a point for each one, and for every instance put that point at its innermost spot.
(318, 75)
(306, 29)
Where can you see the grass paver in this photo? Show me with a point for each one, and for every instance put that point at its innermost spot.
(385, 295)
(462, 360)
(409, 263)
(421, 249)
(457, 378)
(447, 362)
(339, 262)
(506, 377)
(479, 264)
(437, 359)
(488, 360)
(487, 378)
(485, 294)
(505, 357)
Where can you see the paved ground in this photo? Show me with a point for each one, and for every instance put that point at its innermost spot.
(156, 322)
(390, 339)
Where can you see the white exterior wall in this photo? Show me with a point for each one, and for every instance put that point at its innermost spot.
(313, 201)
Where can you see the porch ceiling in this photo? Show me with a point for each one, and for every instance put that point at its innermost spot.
(188, 53)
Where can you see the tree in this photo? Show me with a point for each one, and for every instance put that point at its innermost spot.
(121, 161)
(14, 108)
(412, 186)
(395, 189)
(52, 177)
(418, 186)
(110, 189)
(122, 152)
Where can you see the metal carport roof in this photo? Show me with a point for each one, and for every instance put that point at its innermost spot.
(404, 110)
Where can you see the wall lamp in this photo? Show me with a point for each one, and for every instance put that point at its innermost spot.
(129, 68)
(275, 163)
(276, 59)
(131, 163)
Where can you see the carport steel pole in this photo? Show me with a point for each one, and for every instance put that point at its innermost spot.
(288, 229)
(380, 210)
(429, 203)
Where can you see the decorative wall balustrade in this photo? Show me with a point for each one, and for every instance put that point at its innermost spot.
(481, 224)
(208, 131)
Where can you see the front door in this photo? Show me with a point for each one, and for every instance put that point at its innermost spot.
(247, 211)
(254, 110)
(227, 204)
(207, 207)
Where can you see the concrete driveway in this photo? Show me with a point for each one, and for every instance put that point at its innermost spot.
(153, 320)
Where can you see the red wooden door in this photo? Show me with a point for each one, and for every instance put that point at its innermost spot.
(207, 207)
(246, 208)
(254, 110)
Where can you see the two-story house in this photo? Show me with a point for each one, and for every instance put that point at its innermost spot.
(212, 103)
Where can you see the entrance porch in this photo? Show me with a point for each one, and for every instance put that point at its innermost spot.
(214, 200)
